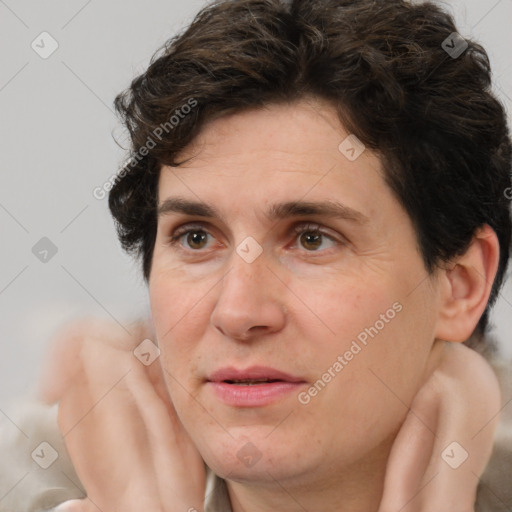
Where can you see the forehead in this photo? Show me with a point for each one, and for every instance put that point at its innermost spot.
(286, 152)
(296, 134)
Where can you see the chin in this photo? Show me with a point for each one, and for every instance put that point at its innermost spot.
(261, 471)
(254, 457)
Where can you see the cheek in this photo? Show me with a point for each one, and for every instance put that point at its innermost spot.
(176, 303)
(345, 311)
(377, 385)
(372, 365)
(171, 311)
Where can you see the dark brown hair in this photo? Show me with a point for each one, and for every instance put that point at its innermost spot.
(384, 65)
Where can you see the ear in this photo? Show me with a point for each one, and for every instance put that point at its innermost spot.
(466, 284)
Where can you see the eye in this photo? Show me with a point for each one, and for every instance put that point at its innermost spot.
(196, 236)
(310, 236)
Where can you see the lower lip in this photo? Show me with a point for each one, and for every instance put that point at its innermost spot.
(255, 395)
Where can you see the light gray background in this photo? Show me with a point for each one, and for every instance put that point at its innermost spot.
(56, 127)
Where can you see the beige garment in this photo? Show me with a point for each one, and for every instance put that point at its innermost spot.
(495, 489)
(29, 441)
(25, 486)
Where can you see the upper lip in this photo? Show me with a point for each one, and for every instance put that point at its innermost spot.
(251, 373)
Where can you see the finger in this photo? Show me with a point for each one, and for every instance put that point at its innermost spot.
(465, 435)
(116, 413)
(62, 359)
(180, 471)
(410, 455)
(103, 431)
(454, 403)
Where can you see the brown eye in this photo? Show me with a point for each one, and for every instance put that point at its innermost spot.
(194, 239)
(311, 237)
(310, 241)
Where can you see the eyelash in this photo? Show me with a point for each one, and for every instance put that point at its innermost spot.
(299, 229)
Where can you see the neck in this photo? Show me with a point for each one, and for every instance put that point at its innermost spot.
(357, 488)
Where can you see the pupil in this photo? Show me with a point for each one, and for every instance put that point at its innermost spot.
(309, 237)
(195, 238)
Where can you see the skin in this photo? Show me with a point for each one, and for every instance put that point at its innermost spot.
(371, 439)
(294, 308)
(108, 400)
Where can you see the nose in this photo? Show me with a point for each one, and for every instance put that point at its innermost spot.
(249, 304)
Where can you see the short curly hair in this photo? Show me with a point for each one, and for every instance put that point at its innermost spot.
(429, 114)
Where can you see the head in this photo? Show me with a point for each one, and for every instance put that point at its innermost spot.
(257, 113)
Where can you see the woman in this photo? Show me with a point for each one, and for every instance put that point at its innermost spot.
(342, 168)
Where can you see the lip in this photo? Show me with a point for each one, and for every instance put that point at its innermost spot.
(253, 372)
(252, 395)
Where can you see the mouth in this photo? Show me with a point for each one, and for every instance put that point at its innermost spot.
(249, 382)
(252, 387)
(252, 375)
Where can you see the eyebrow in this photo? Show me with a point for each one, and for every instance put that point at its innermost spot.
(328, 208)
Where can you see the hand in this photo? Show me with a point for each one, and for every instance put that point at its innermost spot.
(459, 402)
(122, 433)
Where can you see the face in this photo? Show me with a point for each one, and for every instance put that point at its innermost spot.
(333, 305)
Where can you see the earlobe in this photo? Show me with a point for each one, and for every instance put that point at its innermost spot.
(466, 286)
